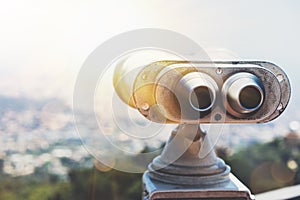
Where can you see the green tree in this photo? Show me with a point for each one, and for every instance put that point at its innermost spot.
(267, 166)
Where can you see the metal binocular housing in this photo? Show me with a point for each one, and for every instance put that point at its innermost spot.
(206, 92)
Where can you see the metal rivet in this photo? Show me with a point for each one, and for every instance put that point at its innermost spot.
(219, 71)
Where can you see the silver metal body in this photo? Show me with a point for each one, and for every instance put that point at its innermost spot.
(233, 190)
(192, 93)
(196, 174)
(168, 87)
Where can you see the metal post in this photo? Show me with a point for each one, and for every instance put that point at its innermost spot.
(191, 176)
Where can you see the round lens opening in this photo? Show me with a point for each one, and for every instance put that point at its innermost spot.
(250, 97)
(201, 98)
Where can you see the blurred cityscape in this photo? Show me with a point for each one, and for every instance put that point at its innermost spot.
(41, 136)
(37, 136)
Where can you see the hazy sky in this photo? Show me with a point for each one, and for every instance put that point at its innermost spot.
(44, 43)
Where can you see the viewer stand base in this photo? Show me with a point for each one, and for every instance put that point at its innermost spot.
(195, 174)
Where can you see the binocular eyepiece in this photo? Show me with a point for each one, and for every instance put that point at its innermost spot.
(201, 90)
(243, 94)
(207, 92)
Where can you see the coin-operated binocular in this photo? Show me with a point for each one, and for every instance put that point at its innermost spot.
(193, 93)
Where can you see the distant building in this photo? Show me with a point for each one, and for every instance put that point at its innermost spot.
(19, 165)
(293, 137)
